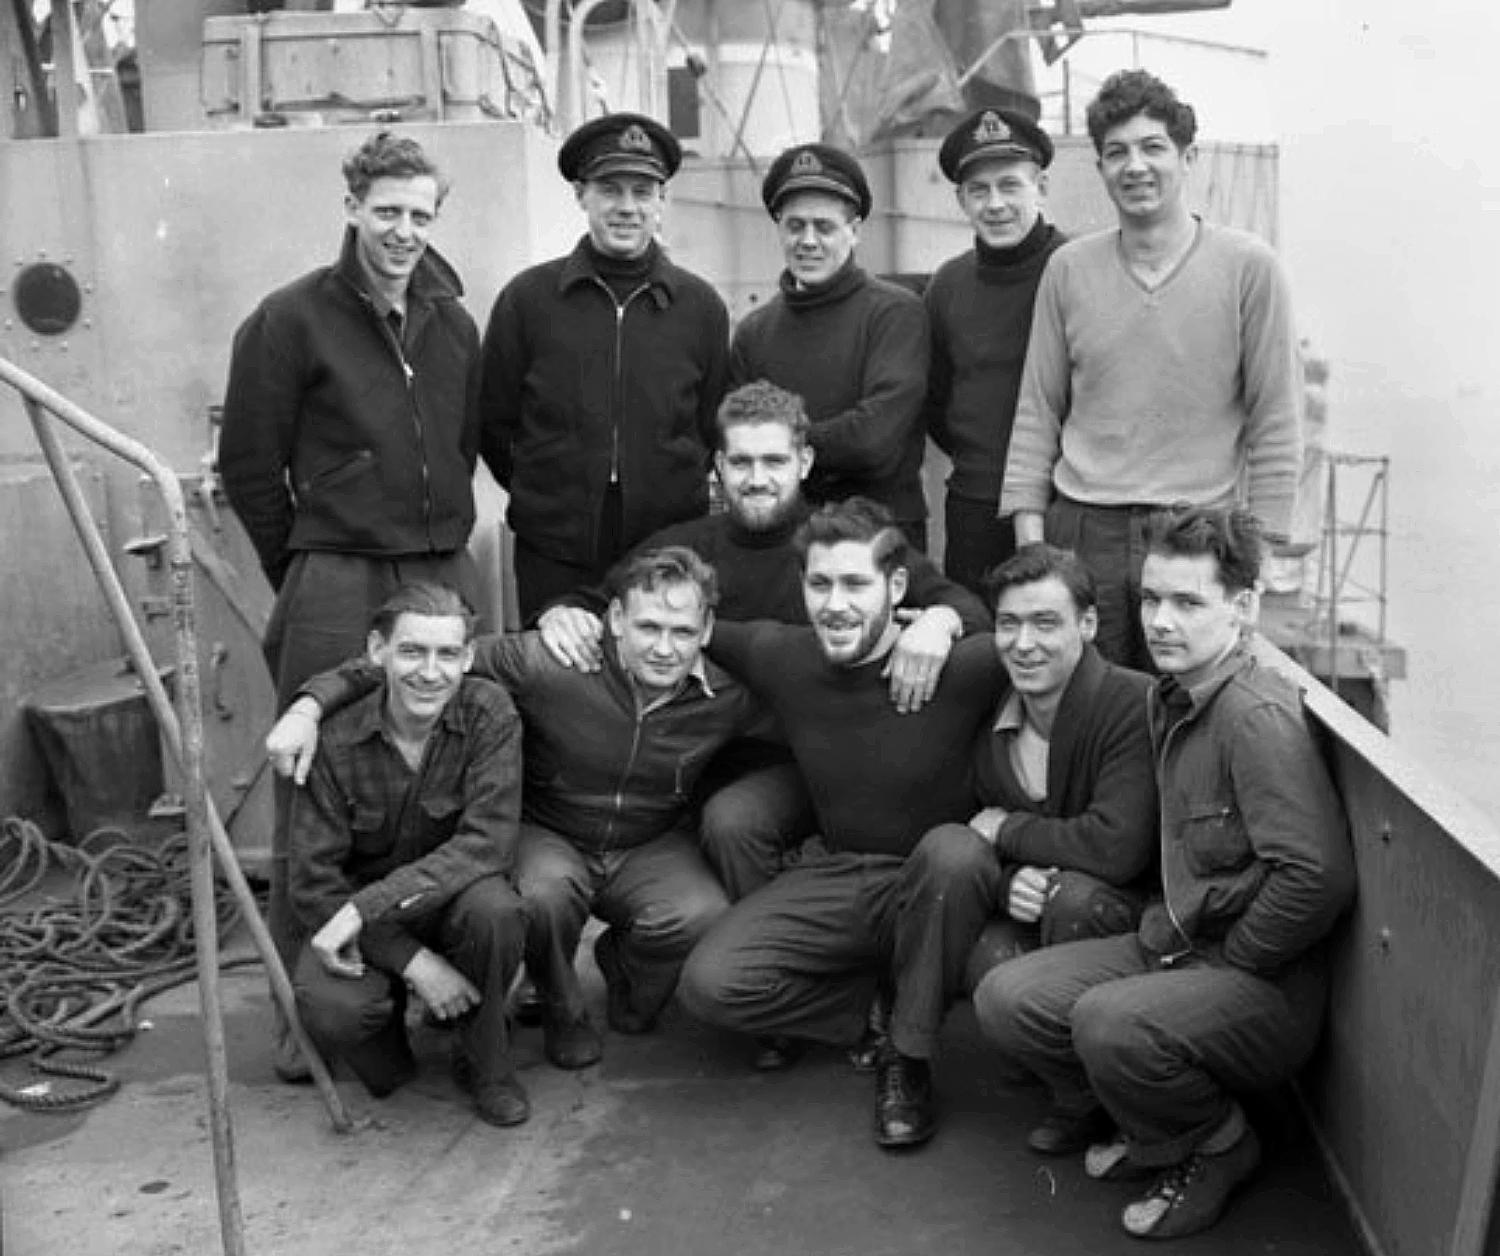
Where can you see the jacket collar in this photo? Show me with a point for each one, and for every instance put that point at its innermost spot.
(578, 267)
(433, 279)
(1198, 696)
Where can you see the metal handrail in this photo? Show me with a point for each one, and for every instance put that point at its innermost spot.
(183, 732)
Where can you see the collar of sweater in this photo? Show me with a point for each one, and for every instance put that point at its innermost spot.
(849, 279)
(1004, 263)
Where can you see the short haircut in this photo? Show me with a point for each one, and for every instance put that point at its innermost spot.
(1034, 563)
(423, 597)
(1132, 92)
(1231, 537)
(387, 155)
(855, 519)
(668, 567)
(763, 402)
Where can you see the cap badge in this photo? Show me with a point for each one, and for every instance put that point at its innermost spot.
(633, 139)
(991, 129)
(806, 162)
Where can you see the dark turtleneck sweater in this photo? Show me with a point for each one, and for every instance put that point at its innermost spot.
(979, 305)
(760, 575)
(855, 350)
(623, 275)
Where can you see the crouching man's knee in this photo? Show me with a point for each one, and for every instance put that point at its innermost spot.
(1083, 906)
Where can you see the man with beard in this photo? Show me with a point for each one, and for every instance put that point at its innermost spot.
(853, 347)
(602, 371)
(979, 304)
(800, 956)
(756, 805)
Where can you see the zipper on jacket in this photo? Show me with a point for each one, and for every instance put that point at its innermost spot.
(1161, 776)
(635, 747)
(617, 398)
(416, 418)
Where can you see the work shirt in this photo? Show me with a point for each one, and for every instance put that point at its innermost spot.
(370, 829)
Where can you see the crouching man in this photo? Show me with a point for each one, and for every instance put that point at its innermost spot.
(401, 843)
(1221, 989)
(1064, 774)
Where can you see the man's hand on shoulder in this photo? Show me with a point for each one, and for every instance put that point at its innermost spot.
(336, 944)
(921, 651)
(446, 991)
(293, 740)
(573, 636)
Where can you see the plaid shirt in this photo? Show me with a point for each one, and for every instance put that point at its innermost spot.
(401, 843)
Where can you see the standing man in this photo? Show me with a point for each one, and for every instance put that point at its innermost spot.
(853, 347)
(1064, 773)
(979, 305)
(401, 845)
(602, 370)
(1162, 367)
(1222, 988)
(349, 440)
(800, 956)
(756, 805)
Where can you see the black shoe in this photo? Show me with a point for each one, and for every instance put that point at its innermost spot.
(497, 1100)
(865, 1054)
(527, 1004)
(1064, 1133)
(774, 1054)
(570, 1042)
(905, 1113)
(622, 1016)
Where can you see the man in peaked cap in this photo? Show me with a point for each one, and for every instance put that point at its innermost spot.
(853, 347)
(602, 373)
(979, 305)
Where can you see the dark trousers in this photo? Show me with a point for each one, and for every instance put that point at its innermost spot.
(1111, 541)
(322, 617)
(1162, 1049)
(977, 540)
(1081, 906)
(659, 898)
(755, 809)
(541, 580)
(361, 1020)
(801, 955)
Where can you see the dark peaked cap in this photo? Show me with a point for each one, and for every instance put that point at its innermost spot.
(993, 135)
(620, 143)
(816, 168)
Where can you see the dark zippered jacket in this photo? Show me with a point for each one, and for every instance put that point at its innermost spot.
(338, 438)
(579, 389)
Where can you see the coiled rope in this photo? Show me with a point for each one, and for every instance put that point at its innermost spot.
(76, 968)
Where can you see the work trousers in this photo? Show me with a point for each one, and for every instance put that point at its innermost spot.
(1081, 906)
(361, 1020)
(1162, 1048)
(1111, 541)
(977, 541)
(755, 810)
(541, 580)
(321, 618)
(801, 955)
(659, 898)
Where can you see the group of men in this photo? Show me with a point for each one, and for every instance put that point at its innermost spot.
(811, 784)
